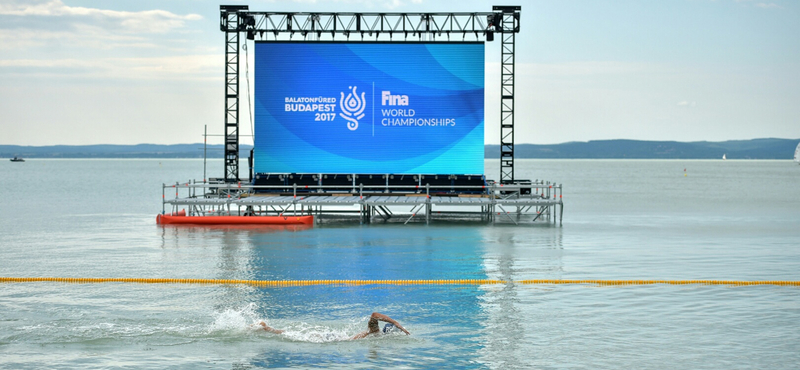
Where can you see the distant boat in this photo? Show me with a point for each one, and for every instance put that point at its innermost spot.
(723, 157)
(18, 159)
(797, 154)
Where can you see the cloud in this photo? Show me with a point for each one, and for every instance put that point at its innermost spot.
(762, 5)
(52, 31)
(185, 67)
(58, 13)
(580, 70)
(367, 4)
(81, 35)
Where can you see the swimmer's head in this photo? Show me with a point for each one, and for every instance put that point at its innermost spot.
(388, 328)
(373, 325)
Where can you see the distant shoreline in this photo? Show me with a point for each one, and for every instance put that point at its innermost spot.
(769, 148)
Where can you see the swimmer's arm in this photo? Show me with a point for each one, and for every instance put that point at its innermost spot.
(360, 335)
(269, 329)
(382, 317)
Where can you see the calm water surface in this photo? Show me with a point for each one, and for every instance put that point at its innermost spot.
(623, 220)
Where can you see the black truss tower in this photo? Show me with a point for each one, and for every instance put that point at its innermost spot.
(503, 20)
(509, 23)
(230, 22)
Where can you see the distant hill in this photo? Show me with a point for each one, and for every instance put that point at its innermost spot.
(117, 151)
(632, 149)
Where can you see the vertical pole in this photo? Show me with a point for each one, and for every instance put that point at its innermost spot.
(555, 205)
(560, 200)
(194, 195)
(427, 204)
(360, 202)
(491, 213)
(549, 208)
(205, 151)
(163, 198)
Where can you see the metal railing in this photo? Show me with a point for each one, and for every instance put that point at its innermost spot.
(549, 193)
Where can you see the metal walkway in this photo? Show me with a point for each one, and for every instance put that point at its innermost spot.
(519, 204)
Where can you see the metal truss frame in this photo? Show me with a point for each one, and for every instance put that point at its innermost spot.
(230, 23)
(502, 20)
(509, 21)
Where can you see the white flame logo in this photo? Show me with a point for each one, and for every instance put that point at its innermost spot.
(352, 108)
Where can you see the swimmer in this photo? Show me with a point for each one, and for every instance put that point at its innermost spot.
(372, 326)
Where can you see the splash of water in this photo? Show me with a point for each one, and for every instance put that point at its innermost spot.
(234, 319)
(304, 332)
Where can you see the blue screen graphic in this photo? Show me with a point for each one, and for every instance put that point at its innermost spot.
(369, 108)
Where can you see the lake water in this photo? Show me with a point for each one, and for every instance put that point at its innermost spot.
(623, 219)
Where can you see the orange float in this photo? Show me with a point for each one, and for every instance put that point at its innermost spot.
(172, 219)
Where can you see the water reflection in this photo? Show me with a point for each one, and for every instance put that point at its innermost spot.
(450, 325)
(438, 316)
(513, 255)
(174, 233)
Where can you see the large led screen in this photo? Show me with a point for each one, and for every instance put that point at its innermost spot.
(369, 108)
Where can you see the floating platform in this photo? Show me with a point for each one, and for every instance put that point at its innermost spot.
(236, 203)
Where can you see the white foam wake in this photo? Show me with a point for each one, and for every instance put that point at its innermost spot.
(235, 319)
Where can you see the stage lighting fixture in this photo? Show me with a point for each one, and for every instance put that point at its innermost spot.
(497, 22)
(489, 36)
(246, 20)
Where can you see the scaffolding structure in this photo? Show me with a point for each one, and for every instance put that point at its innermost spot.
(535, 202)
(320, 26)
(423, 198)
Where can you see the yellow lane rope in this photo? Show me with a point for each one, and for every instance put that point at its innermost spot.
(284, 283)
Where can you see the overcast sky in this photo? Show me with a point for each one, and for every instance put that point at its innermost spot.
(128, 72)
